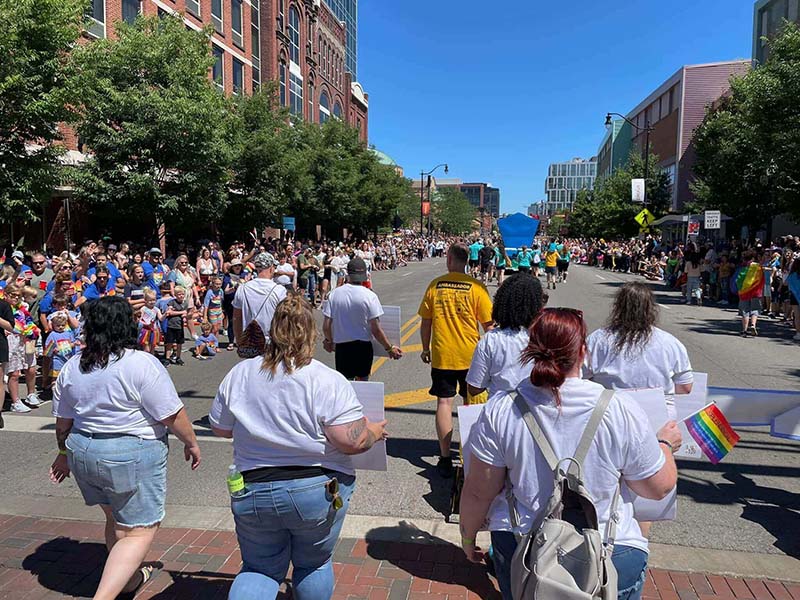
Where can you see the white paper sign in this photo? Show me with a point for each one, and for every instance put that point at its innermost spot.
(467, 417)
(390, 322)
(370, 394)
(681, 406)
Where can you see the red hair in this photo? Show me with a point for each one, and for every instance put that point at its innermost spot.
(557, 336)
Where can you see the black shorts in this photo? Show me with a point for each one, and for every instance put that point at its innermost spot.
(550, 270)
(485, 267)
(474, 263)
(354, 359)
(562, 265)
(3, 350)
(524, 269)
(445, 383)
(174, 336)
(500, 267)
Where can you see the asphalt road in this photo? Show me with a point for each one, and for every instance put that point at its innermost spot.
(750, 502)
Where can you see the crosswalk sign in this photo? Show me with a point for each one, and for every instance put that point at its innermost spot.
(644, 218)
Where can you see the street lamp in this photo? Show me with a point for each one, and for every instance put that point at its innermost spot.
(422, 175)
(647, 129)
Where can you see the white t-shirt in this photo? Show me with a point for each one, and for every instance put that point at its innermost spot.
(352, 307)
(131, 395)
(284, 274)
(496, 363)
(257, 300)
(624, 446)
(339, 264)
(660, 363)
(279, 420)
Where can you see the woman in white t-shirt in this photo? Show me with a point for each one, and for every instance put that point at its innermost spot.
(294, 424)
(561, 402)
(113, 405)
(632, 353)
(497, 361)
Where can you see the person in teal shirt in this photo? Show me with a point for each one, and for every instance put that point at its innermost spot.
(474, 257)
(524, 259)
(500, 263)
(563, 262)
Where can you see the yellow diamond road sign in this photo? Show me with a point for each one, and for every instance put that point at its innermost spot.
(644, 218)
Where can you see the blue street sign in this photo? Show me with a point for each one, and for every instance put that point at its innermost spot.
(288, 223)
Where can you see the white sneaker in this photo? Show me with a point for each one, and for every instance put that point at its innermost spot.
(19, 407)
(33, 400)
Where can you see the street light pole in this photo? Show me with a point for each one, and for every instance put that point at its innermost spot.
(422, 175)
(647, 129)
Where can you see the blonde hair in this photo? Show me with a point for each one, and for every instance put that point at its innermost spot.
(8, 272)
(59, 319)
(29, 291)
(13, 288)
(179, 288)
(293, 335)
(149, 294)
(205, 326)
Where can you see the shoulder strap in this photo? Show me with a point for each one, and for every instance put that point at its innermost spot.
(591, 427)
(536, 432)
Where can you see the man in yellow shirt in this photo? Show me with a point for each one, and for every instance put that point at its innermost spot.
(550, 264)
(453, 307)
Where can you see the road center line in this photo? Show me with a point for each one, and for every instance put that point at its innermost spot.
(407, 274)
(599, 276)
(665, 306)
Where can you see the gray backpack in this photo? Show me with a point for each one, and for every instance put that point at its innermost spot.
(563, 556)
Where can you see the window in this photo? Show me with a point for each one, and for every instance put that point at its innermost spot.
(311, 101)
(324, 107)
(295, 94)
(130, 10)
(337, 110)
(794, 10)
(238, 76)
(282, 77)
(294, 35)
(218, 70)
(97, 18)
(236, 23)
(255, 34)
(193, 6)
(281, 18)
(216, 15)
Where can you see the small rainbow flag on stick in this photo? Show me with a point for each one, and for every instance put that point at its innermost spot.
(712, 432)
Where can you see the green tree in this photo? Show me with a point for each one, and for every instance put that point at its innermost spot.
(748, 146)
(158, 130)
(452, 212)
(408, 208)
(35, 38)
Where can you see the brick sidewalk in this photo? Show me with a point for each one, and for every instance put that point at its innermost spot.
(45, 558)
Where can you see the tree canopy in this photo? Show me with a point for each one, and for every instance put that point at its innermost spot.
(452, 212)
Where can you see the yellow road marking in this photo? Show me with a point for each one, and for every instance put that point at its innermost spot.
(414, 323)
(377, 364)
(410, 322)
(407, 398)
(413, 348)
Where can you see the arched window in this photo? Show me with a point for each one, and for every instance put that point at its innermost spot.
(282, 78)
(324, 107)
(337, 110)
(294, 35)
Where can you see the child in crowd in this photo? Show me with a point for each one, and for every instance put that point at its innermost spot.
(206, 344)
(150, 322)
(212, 305)
(62, 343)
(177, 310)
(61, 305)
(21, 351)
(162, 303)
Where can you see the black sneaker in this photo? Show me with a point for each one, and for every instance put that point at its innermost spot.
(445, 467)
(179, 362)
(745, 334)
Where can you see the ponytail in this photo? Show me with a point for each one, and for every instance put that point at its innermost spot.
(557, 337)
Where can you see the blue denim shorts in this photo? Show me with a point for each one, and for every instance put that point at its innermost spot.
(125, 472)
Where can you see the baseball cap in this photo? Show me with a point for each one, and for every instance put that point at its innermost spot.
(18, 254)
(264, 260)
(357, 270)
(236, 261)
(155, 250)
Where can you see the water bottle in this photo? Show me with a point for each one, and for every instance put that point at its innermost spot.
(235, 482)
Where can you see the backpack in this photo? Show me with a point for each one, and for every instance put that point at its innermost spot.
(253, 342)
(563, 556)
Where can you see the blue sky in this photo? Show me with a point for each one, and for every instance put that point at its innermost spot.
(500, 94)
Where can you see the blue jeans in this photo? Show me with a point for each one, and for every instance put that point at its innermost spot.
(631, 565)
(288, 521)
(311, 287)
(692, 284)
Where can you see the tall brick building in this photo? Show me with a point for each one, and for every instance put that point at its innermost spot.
(298, 43)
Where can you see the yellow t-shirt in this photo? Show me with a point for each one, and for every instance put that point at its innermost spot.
(456, 304)
(551, 259)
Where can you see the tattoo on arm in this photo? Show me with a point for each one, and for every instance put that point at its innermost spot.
(355, 430)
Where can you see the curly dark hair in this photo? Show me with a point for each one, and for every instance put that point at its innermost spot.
(109, 329)
(517, 302)
(633, 316)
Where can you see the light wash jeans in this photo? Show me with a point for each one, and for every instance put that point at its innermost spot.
(631, 565)
(288, 521)
(693, 289)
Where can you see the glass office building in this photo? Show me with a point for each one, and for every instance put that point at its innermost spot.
(347, 12)
(564, 180)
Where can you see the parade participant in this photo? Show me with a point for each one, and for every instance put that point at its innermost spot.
(256, 299)
(500, 262)
(113, 405)
(496, 364)
(352, 317)
(750, 283)
(294, 424)
(150, 317)
(536, 260)
(474, 257)
(453, 307)
(692, 262)
(562, 263)
(524, 257)
(551, 264)
(561, 404)
(631, 352)
(486, 255)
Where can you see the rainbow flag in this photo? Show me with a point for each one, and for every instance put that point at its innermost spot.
(712, 432)
(750, 282)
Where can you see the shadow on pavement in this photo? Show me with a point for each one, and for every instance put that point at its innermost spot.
(425, 556)
(412, 450)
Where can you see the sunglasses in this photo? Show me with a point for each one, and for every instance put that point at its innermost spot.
(333, 489)
(37, 262)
